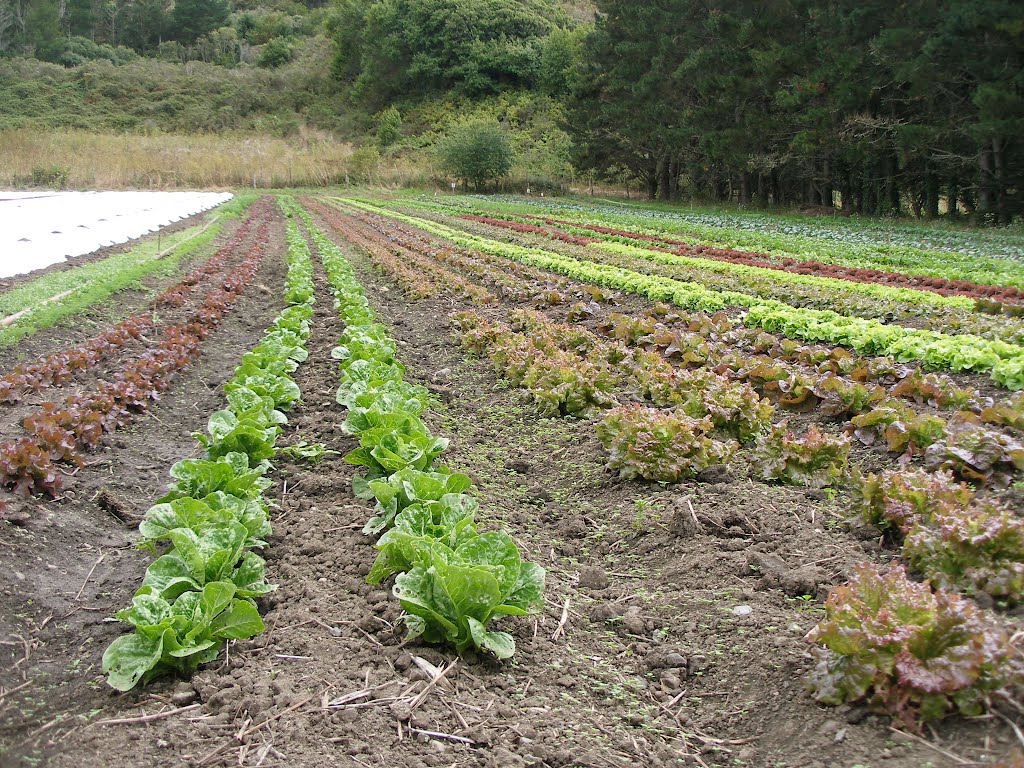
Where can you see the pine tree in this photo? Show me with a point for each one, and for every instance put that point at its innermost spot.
(192, 19)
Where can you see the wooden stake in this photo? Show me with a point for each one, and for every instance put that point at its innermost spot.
(11, 319)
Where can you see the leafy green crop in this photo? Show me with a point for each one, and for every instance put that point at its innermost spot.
(560, 382)
(245, 435)
(314, 453)
(454, 594)
(451, 581)
(198, 593)
(195, 560)
(955, 540)
(231, 473)
(962, 352)
(976, 453)
(816, 460)
(218, 510)
(978, 548)
(912, 653)
(371, 409)
(390, 448)
(450, 520)
(178, 636)
(897, 500)
(660, 445)
(279, 388)
(407, 487)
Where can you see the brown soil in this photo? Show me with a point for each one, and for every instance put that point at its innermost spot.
(684, 609)
(72, 563)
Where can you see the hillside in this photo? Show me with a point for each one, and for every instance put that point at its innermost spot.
(284, 72)
(843, 106)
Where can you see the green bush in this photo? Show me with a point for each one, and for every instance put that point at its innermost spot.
(81, 49)
(477, 152)
(52, 176)
(389, 126)
(276, 52)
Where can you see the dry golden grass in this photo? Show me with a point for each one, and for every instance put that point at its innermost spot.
(161, 161)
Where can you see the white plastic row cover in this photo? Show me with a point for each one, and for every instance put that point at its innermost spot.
(41, 228)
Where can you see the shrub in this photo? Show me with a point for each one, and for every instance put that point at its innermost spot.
(277, 52)
(477, 152)
(389, 127)
(52, 176)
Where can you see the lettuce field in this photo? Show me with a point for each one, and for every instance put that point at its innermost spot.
(498, 481)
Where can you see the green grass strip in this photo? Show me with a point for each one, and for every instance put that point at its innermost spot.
(93, 282)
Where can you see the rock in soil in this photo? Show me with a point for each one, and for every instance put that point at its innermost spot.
(593, 578)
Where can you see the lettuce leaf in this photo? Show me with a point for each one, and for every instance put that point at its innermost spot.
(178, 636)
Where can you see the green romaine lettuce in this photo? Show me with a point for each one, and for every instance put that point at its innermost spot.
(452, 599)
(198, 478)
(410, 486)
(232, 434)
(179, 636)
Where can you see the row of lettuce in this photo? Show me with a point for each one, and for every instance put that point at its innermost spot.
(48, 299)
(632, 244)
(992, 312)
(700, 419)
(952, 254)
(450, 579)
(199, 593)
(915, 652)
(964, 352)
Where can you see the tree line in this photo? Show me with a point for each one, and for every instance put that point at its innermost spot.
(873, 107)
(870, 107)
(72, 31)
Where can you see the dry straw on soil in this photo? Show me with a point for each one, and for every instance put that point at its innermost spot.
(86, 160)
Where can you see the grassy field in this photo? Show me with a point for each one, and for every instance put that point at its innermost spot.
(79, 159)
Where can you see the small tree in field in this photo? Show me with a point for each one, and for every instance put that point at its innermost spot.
(477, 152)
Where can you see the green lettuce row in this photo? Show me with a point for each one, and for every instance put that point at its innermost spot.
(200, 592)
(846, 249)
(1004, 362)
(450, 579)
(875, 290)
(634, 248)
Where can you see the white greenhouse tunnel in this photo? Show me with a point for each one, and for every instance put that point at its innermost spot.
(41, 228)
